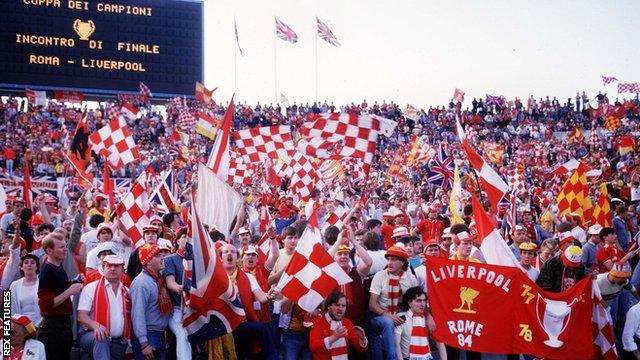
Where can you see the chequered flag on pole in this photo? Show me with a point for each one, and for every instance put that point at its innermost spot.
(115, 142)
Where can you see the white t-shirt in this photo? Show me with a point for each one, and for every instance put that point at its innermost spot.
(378, 261)
(608, 290)
(89, 239)
(116, 320)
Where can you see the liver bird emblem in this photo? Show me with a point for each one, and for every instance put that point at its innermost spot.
(467, 295)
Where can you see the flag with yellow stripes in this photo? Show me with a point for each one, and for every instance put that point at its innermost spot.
(574, 195)
(602, 211)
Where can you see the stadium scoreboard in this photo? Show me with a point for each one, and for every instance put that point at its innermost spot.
(102, 46)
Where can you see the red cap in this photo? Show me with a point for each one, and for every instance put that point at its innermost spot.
(147, 252)
(397, 252)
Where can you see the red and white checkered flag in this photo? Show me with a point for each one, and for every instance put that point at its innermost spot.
(516, 182)
(603, 337)
(186, 121)
(606, 80)
(115, 142)
(305, 176)
(259, 144)
(628, 88)
(311, 273)
(134, 209)
(339, 136)
(239, 171)
(113, 112)
(145, 91)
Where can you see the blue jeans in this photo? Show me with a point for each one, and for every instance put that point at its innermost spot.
(296, 345)
(155, 339)
(383, 330)
(106, 349)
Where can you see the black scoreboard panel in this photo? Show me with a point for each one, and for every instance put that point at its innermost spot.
(102, 46)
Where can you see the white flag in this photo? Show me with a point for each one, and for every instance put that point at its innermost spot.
(216, 202)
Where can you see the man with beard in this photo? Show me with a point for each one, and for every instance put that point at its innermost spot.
(250, 292)
(332, 333)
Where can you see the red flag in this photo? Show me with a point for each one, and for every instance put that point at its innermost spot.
(464, 296)
(203, 94)
(107, 186)
(219, 158)
(26, 188)
(490, 181)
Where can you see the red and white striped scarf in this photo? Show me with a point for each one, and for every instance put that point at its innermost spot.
(395, 292)
(419, 344)
(339, 350)
(101, 307)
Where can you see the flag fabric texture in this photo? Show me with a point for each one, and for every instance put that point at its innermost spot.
(411, 112)
(213, 306)
(574, 194)
(284, 32)
(79, 154)
(207, 126)
(326, 34)
(566, 168)
(602, 210)
(258, 144)
(115, 142)
(606, 80)
(458, 95)
(516, 181)
(219, 157)
(418, 155)
(145, 92)
(490, 181)
(235, 30)
(107, 185)
(604, 339)
(338, 136)
(311, 273)
(134, 210)
(224, 209)
(239, 171)
(494, 249)
(203, 94)
(611, 123)
(128, 110)
(36, 97)
(575, 135)
(163, 195)
(186, 121)
(464, 298)
(284, 101)
(303, 173)
(628, 88)
(441, 170)
(3, 198)
(625, 144)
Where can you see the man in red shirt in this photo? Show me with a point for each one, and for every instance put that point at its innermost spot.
(430, 228)
(9, 156)
(287, 210)
(610, 252)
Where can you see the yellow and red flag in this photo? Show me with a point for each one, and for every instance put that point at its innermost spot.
(574, 195)
(602, 211)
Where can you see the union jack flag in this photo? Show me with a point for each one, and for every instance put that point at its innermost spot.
(284, 32)
(325, 33)
(441, 173)
(213, 307)
(163, 194)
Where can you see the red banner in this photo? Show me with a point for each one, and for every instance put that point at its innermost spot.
(69, 96)
(498, 309)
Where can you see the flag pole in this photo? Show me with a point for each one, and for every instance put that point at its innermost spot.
(275, 68)
(235, 61)
(316, 56)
